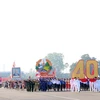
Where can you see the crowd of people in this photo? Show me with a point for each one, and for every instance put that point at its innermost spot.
(55, 84)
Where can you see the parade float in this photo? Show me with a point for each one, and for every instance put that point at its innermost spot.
(44, 68)
(15, 73)
(85, 70)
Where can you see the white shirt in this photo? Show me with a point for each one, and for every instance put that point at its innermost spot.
(58, 82)
(53, 81)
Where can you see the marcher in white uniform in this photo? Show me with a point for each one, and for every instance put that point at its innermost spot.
(58, 84)
(54, 84)
(75, 84)
(96, 85)
(78, 84)
(91, 84)
(72, 85)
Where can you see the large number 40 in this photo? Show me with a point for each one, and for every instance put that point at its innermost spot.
(79, 69)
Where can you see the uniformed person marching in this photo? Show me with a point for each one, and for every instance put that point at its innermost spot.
(36, 86)
(32, 85)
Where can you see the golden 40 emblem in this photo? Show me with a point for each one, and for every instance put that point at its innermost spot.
(80, 71)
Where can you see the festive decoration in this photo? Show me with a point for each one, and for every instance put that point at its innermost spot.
(43, 65)
(82, 72)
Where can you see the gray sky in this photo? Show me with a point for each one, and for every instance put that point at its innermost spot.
(30, 29)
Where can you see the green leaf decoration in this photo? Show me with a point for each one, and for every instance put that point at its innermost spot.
(47, 64)
(37, 68)
(50, 67)
(47, 68)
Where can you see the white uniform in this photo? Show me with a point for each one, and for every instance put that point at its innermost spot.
(91, 85)
(78, 85)
(75, 85)
(58, 82)
(99, 85)
(95, 86)
(53, 81)
(72, 85)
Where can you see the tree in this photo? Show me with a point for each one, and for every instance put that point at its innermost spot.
(72, 66)
(57, 62)
(31, 74)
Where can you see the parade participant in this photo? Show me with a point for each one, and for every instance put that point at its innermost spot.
(36, 86)
(54, 83)
(75, 84)
(64, 84)
(67, 84)
(23, 85)
(15, 85)
(87, 85)
(58, 83)
(96, 84)
(27, 85)
(32, 85)
(10, 85)
(84, 84)
(49, 85)
(78, 84)
(43, 85)
(91, 84)
(61, 86)
(72, 84)
(20, 85)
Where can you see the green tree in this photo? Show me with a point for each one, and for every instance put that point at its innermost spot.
(57, 62)
(31, 74)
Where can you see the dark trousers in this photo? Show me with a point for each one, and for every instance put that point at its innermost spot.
(58, 87)
(54, 87)
(61, 87)
(32, 88)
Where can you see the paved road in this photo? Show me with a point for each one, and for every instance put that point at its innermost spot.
(7, 94)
